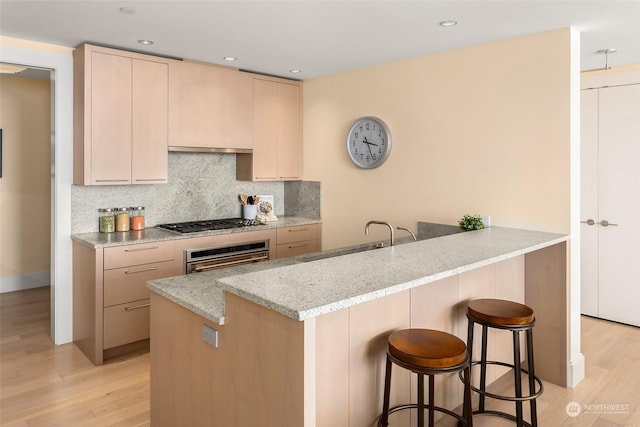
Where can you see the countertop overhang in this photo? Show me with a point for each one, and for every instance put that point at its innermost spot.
(302, 289)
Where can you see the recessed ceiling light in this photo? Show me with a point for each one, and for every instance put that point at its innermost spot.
(448, 23)
(127, 10)
(145, 42)
(295, 71)
(230, 58)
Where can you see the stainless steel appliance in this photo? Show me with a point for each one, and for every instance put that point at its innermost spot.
(205, 259)
(211, 258)
(207, 225)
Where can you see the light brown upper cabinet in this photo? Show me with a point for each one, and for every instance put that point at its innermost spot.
(120, 117)
(209, 108)
(277, 132)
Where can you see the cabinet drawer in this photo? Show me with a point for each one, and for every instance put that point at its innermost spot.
(297, 248)
(126, 323)
(297, 234)
(124, 256)
(126, 284)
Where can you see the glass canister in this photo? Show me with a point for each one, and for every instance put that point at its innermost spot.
(122, 219)
(107, 221)
(137, 218)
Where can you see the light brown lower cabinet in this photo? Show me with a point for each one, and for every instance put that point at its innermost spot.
(126, 301)
(298, 240)
(126, 323)
(110, 296)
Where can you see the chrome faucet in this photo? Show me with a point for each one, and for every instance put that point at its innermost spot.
(366, 229)
(415, 239)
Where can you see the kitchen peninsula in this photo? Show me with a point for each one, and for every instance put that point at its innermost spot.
(301, 341)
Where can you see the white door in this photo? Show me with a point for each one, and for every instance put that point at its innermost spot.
(611, 198)
(619, 203)
(589, 201)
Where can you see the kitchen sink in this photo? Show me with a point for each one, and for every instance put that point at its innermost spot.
(340, 251)
(354, 249)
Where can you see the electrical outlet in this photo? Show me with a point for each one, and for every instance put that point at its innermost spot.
(486, 220)
(210, 335)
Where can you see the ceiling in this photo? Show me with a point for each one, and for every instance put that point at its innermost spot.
(320, 37)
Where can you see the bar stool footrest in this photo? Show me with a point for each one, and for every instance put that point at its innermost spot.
(397, 408)
(502, 415)
(508, 398)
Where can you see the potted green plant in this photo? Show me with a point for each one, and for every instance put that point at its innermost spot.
(471, 222)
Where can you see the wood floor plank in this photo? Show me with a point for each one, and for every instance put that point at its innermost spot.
(42, 384)
(92, 389)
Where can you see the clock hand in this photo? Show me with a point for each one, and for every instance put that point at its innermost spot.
(368, 143)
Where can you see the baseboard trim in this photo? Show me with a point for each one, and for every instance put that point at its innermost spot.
(576, 372)
(25, 281)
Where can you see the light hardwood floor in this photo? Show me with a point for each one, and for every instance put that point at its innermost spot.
(46, 385)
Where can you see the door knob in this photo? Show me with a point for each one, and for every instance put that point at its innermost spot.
(588, 222)
(606, 223)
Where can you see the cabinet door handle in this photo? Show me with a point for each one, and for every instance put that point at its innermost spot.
(137, 307)
(148, 248)
(112, 180)
(141, 271)
(289, 177)
(588, 222)
(606, 223)
(291, 230)
(299, 245)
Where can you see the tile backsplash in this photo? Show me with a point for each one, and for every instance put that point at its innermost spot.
(201, 186)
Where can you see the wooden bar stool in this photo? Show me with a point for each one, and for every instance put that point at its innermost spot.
(514, 317)
(427, 352)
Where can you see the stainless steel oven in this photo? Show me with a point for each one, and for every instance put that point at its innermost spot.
(206, 259)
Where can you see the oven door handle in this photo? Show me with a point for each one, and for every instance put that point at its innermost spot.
(205, 267)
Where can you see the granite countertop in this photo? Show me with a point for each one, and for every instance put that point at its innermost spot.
(310, 285)
(154, 234)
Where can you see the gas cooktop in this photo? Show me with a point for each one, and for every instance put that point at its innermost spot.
(207, 225)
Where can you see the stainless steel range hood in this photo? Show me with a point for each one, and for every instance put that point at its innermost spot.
(211, 150)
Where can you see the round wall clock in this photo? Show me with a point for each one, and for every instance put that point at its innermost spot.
(369, 142)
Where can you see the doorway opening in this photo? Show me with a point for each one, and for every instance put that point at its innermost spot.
(26, 183)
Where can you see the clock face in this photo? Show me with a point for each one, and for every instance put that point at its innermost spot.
(369, 142)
